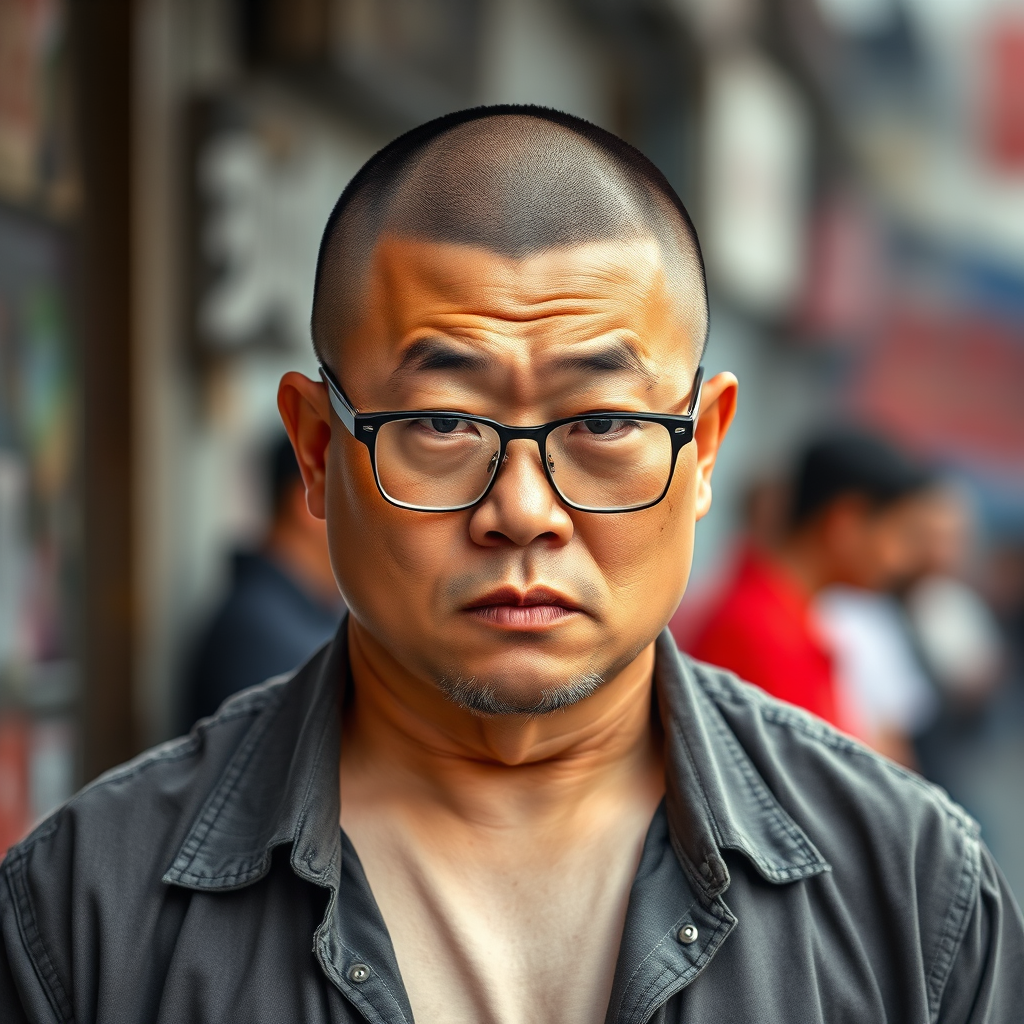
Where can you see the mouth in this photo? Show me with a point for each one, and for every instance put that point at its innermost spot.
(535, 608)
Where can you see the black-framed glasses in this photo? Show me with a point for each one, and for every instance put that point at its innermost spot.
(439, 460)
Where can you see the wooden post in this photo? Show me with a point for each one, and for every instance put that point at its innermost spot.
(102, 44)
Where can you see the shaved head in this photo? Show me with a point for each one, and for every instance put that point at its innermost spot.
(513, 180)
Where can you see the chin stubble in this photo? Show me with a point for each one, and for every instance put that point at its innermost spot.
(484, 699)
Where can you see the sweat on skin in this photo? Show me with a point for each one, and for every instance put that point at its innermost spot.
(501, 848)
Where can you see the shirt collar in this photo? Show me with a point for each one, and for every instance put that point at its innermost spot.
(280, 787)
(715, 798)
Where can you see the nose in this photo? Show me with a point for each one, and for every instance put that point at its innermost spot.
(522, 507)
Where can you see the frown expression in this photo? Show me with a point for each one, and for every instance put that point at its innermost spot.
(518, 596)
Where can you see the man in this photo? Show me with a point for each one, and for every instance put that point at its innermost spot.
(283, 603)
(855, 505)
(547, 815)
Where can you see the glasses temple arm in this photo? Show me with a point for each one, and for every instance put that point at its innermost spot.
(698, 384)
(340, 403)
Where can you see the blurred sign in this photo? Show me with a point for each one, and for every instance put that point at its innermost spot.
(267, 185)
(37, 771)
(1004, 117)
(35, 126)
(859, 17)
(40, 556)
(844, 285)
(950, 381)
(424, 51)
(757, 177)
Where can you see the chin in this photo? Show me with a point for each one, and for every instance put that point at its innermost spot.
(501, 695)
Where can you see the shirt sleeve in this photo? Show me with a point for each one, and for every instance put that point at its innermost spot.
(986, 983)
(22, 997)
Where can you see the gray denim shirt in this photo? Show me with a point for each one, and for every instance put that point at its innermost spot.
(790, 875)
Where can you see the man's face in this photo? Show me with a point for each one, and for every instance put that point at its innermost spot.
(523, 342)
(878, 549)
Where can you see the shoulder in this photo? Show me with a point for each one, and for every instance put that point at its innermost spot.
(85, 885)
(899, 848)
(118, 835)
(815, 764)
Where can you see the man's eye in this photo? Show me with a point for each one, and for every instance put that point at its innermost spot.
(606, 425)
(444, 424)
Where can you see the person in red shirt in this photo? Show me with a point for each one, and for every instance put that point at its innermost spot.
(852, 520)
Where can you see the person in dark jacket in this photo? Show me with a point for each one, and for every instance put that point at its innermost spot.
(283, 602)
(501, 794)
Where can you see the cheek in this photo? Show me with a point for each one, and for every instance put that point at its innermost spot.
(646, 553)
(380, 552)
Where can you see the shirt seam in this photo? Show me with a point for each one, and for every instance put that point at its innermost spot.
(954, 928)
(31, 937)
(658, 945)
(380, 977)
(692, 970)
(696, 876)
(305, 808)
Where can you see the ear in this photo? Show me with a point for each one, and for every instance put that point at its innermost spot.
(306, 411)
(717, 408)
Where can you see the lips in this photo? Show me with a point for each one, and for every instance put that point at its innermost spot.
(534, 608)
(510, 596)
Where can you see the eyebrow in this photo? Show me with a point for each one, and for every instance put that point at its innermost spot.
(611, 358)
(435, 354)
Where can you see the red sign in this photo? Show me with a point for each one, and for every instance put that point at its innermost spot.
(1004, 95)
(950, 383)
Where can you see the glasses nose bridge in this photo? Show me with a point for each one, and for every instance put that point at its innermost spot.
(538, 435)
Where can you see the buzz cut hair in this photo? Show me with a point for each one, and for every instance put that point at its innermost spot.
(515, 180)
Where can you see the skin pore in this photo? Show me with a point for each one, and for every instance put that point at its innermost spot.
(503, 798)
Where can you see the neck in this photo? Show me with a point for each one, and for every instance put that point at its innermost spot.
(402, 736)
(800, 555)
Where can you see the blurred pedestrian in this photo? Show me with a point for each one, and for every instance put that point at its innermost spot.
(959, 642)
(851, 520)
(283, 602)
(877, 668)
(954, 629)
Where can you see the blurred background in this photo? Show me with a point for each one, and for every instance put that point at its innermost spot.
(855, 169)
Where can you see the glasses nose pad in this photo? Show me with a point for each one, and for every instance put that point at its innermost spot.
(492, 463)
(551, 464)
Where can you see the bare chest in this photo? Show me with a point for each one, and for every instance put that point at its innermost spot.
(519, 932)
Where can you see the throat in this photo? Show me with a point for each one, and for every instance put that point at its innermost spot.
(437, 765)
(501, 850)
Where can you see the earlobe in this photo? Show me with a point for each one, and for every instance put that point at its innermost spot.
(305, 411)
(718, 407)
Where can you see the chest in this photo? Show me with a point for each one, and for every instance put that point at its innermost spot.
(490, 936)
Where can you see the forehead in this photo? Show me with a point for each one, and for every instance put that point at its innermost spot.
(555, 297)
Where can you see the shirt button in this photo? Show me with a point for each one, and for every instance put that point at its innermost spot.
(358, 973)
(687, 934)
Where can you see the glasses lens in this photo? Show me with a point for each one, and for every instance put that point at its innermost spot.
(605, 463)
(436, 462)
